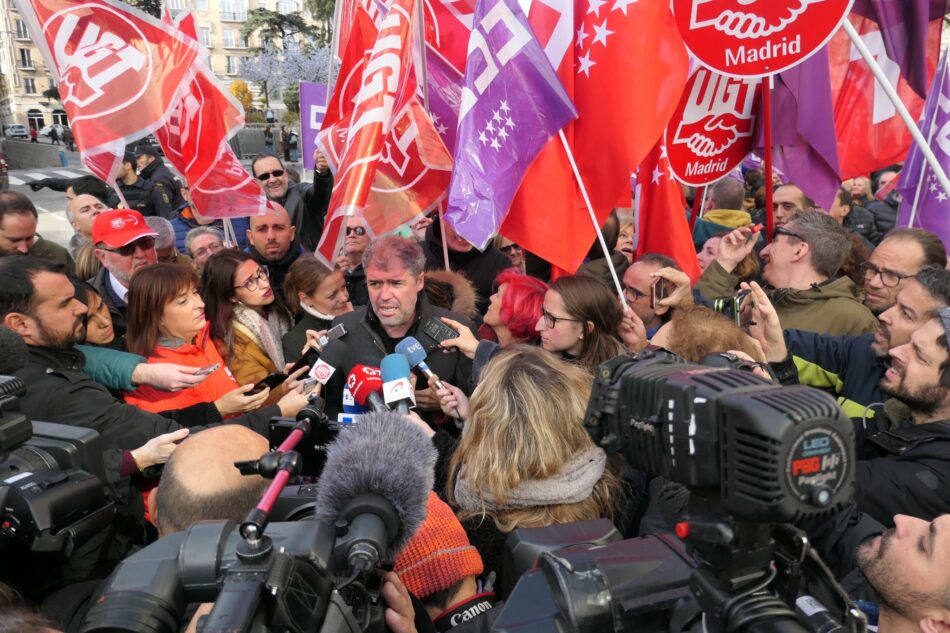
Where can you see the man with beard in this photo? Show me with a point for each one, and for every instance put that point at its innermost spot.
(271, 242)
(397, 308)
(306, 203)
(38, 303)
(906, 566)
(850, 367)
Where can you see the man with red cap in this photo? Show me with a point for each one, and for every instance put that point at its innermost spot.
(124, 244)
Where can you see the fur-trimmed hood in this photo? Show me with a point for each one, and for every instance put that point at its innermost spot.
(444, 287)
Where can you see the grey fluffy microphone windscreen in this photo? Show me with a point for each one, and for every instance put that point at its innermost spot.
(383, 454)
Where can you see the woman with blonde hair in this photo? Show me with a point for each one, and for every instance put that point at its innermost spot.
(524, 458)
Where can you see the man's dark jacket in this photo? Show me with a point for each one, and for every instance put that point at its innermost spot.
(118, 309)
(147, 199)
(863, 223)
(356, 286)
(479, 267)
(306, 205)
(276, 270)
(902, 468)
(158, 173)
(365, 342)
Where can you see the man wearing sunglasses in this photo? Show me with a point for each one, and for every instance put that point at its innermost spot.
(124, 245)
(306, 203)
(803, 267)
(351, 260)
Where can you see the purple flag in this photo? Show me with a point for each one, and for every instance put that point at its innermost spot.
(313, 107)
(917, 180)
(804, 147)
(445, 94)
(512, 104)
(904, 26)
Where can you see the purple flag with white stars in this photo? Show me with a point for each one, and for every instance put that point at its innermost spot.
(917, 180)
(512, 104)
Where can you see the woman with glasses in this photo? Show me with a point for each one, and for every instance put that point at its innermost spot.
(247, 319)
(316, 295)
(579, 320)
(167, 324)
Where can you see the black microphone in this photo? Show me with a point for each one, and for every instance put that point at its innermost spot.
(376, 481)
(14, 354)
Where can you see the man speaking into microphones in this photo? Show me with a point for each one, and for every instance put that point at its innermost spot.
(397, 310)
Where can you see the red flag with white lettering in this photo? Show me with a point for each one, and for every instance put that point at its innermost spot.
(117, 68)
(871, 134)
(625, 65)
(384, 90)
(663, 227)
(194, 139)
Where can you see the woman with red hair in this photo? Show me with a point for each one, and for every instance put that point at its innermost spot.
(511, 316)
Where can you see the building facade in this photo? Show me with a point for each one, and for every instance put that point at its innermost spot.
(24, 76)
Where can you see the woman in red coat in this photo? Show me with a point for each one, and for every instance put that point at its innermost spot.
(167, 325)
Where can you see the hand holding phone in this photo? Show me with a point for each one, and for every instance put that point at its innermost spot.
(271, 381)
(657, 293)
(210, 369)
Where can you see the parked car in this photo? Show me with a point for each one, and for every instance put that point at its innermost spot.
(16, 130)
(4, 176)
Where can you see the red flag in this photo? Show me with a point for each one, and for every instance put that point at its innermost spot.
(118, 70)
(871, 134)
(663, 227)
(194, 139)
(384, 91)
(625, 67)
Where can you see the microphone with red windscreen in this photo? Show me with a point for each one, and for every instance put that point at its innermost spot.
(366, 385)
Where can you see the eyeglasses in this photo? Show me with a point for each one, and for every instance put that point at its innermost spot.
(550, 321)
(277, 173)
(632, 294)
(358, 230)
(508, 250)
(145, 243)
(781, 230)
(254, 281)
(889, 278)
(210, 249)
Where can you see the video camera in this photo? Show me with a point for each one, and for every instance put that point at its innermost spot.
(322, 573)
(753, 456)
(52, 492)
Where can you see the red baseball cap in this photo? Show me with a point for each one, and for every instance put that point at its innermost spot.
(118, 227)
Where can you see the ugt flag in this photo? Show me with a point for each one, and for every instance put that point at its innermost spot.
(118, 70)
(512, 103)
(924, 202)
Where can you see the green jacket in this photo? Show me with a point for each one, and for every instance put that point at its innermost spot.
(54, 252)
(828, 308)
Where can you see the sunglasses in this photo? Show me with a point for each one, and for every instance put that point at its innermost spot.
(511, 248)
(277, 173)
(128, 250)
(357, 230)
(783, 231)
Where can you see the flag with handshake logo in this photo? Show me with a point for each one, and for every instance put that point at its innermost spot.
(512, 104)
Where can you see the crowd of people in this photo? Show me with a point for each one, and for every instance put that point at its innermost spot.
(154, 327)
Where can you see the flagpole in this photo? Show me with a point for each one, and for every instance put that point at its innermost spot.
(593, 217)
(767, 125)
(698, 197)
(898, 105)
(930, 135)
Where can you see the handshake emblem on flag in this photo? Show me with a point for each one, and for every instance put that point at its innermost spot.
(748, 18)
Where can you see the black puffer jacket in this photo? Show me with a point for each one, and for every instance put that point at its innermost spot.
(885, 212)
(479, 267)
